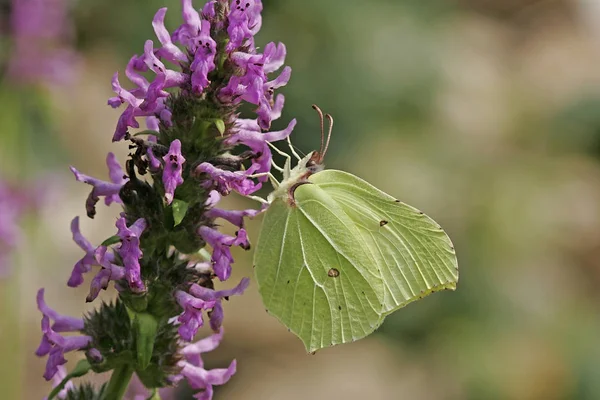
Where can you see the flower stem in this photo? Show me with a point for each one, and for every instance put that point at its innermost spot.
(119, 381)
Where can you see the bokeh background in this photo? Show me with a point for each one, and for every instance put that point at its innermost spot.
(483, 113)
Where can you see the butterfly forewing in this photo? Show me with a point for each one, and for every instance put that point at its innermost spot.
(413, 253)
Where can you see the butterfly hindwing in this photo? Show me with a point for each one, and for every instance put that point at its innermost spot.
(314, 273)
(332, 263)
(413, 253)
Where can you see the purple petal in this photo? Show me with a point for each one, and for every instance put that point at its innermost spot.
(226, 181)
(199, 378)
(203, 345)
(173, 170)
(221, 243)
(169, 51)
(130, 251)
(204, 57)
(192, 317)
(109, 272)
(209, 294)
(62, 323)
(236, 217)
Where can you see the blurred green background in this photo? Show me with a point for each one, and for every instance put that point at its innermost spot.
(483, 113)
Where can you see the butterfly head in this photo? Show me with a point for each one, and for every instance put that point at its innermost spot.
(311, 164)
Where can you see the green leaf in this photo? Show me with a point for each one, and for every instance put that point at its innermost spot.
(220, 126)
(146, 327)
(82, 368)
(180, 208)
(334, 264)
(111, 240)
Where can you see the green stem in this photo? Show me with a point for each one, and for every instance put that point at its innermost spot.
(119, 381)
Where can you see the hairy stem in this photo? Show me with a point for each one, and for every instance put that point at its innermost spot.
(119, 381)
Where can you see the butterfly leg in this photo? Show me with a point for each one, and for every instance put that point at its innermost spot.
(257, 198)
(292, 149)
(281, 153)
(272, 178)
(277, 167)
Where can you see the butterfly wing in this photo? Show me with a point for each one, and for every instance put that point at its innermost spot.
(413, 253)
(314, 273)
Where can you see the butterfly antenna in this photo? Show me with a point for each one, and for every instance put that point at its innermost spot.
(330, 118)
(318, 110)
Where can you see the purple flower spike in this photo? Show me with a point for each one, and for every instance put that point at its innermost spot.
(191, 319)
(221, 244)
(110, 190)
(173, 169)
(130, 251)
(42, 34)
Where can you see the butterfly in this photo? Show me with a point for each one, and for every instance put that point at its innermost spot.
(336, 255)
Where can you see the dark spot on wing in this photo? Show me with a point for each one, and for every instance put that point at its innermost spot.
(383, 222)
(397, 201)
(333, 273)
(340, 308)
(288, 281)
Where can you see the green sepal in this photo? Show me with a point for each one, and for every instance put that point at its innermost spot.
(146, 327)
(111, 240)
(136, 302)
(200, 127)
(82, 368)
(220, 124)
(180, 208)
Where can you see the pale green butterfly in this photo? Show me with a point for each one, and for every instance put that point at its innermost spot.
(336, 255)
